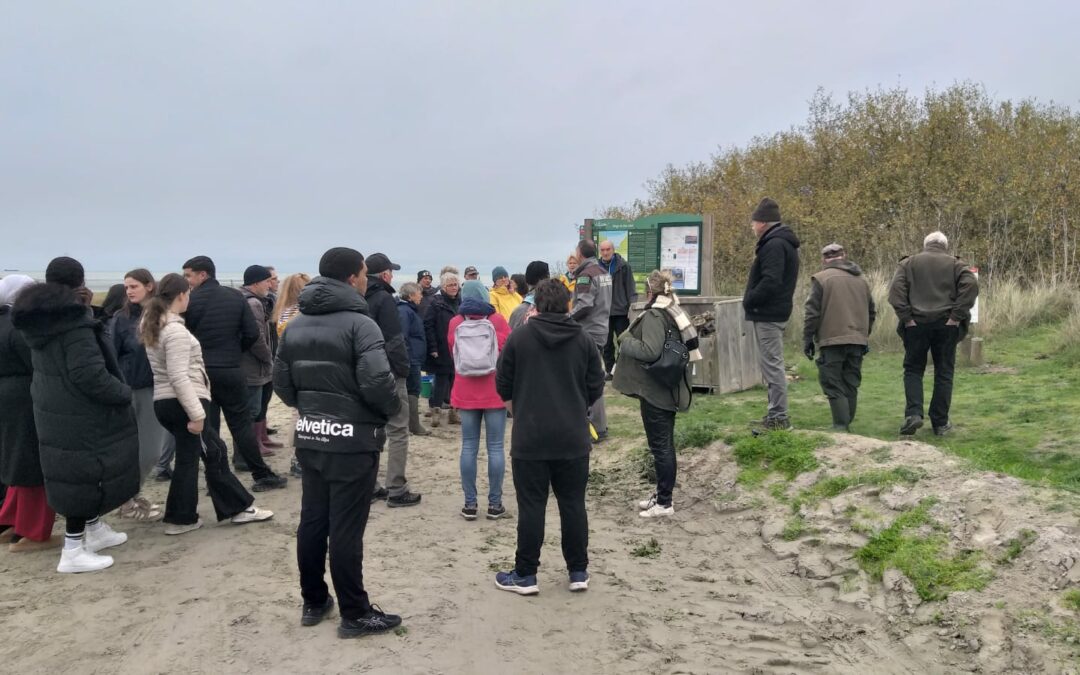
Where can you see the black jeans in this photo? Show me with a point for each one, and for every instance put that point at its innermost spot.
(267, 394)
(440, 390)
(660, 433)
(412, 382)
(616, 326)
(840, 374)
(229, 393)
(227, 494)
(567, 478)
(940, 341)
(335, 505)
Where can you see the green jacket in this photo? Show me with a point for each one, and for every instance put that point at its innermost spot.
(639, 346)
(933, 285)
(840, 309)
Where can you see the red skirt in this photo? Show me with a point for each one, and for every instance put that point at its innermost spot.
(26, 510)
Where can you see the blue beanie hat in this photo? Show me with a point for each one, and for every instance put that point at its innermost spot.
(475, 290)
(499, 273)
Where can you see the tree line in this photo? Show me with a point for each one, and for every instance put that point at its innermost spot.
(881, 169)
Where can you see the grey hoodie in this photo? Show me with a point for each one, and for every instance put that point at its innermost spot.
(592, 300)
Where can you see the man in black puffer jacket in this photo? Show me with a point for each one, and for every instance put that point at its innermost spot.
(331, 366)
(768, 301)
(221, 320)
(383, 310)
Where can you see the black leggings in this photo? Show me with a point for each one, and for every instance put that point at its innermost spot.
(78, 525)
(267, 394)
(440, 391)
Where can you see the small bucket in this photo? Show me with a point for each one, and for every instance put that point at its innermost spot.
(425, 386)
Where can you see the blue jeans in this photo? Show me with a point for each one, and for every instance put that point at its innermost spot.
(495, 422)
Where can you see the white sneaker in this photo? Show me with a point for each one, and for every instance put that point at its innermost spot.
(647, 503)
(655, 511)
(173, 529)
(103, 537)
(81, 559)
(252, 514)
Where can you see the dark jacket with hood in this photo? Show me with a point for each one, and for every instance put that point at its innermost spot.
(840, 309)
(258, 362)
(412, 326)
(19, 460)
(130, 353)
(437, 330)
(427, 298)
(551, 370)
(222, 322)
(382, 307)
(623, 287)
(933, 286)
(640, 345)
(86, 426)
(331, 367)
(773, 275)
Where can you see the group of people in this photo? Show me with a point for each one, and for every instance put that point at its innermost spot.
(92, 407)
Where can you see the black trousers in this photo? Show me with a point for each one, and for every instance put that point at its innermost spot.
(616, 326)
(567, 478)
(440, 390)
(412, 382)
(940, 341)
(229, 394)
(227, 494)
(660, 433)
(840, 374)
(334, 506)
(267, 394)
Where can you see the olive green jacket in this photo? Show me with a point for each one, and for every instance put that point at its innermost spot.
(933, 285)
(640, 345)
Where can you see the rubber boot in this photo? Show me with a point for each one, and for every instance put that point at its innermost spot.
(852, 403)
(260, 431)
(841, 417)
(454, 417)
(436, 418)
(415, 428)
(265, 439)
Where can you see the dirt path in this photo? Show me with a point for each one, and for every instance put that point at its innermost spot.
(225, 598)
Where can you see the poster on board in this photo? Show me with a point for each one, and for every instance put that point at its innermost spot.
(680, 254)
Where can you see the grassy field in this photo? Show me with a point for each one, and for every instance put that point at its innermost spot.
(1016, 415)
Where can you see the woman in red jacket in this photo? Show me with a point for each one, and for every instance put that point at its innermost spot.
(476, 337)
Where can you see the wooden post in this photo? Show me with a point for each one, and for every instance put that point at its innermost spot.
(587, 230)
(706, 277)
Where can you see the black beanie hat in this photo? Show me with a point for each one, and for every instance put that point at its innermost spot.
(255, 274)
(66, 272)
(340, 263)
(767, 211)
(536, 272)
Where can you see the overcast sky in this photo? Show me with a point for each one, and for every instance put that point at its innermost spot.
(141, 133)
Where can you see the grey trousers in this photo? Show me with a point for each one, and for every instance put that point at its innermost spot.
(397, 444)
(156, 445)
(598, 411)
(769, 336)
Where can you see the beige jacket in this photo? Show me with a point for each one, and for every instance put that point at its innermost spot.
(179, 373)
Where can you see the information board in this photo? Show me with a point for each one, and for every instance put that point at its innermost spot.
(680, 254)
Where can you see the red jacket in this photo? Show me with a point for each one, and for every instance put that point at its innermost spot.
(477, 393)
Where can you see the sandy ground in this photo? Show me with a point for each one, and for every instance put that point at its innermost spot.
(720, 596)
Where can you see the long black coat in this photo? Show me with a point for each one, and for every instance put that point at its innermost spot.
(86, 426)
(773, 275)
(437, 329)
(19, 461)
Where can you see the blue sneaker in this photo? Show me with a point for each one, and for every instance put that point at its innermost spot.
(510, 581)
(579, 581)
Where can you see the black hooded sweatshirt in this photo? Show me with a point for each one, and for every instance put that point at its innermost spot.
(551, 370)
(773, 276)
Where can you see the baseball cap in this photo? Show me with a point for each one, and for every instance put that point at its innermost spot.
(832, 249)
(471, 270)
(423, 273)
(377, 263)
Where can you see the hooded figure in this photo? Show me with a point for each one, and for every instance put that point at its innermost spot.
(19, 461)
(86, 426)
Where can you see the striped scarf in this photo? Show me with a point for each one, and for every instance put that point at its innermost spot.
(670, 304)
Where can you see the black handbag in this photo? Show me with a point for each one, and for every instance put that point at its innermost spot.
(670, 368)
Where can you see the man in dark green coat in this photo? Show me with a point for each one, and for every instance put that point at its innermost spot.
(839, 317)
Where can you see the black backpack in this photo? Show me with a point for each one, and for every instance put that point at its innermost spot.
(670, 368)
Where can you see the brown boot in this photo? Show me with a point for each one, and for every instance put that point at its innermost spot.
(25, 545)
(455, 417)
(265, 440)
(260, 431)
(436, 418)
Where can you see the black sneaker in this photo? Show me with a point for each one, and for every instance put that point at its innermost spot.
(374, 622)
(271, 482)
(406, 499)
(912, 423)
(294, 469)
(468, 512)
(943, 430)
(314, 614)
(379, 495)
(163, 476)
(496, 512)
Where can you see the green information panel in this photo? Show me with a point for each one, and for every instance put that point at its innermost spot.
(666, 241)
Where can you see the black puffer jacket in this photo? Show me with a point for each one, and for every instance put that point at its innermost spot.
(86, 426)
(221, 320)
(382, 307)
(131, 353)
(437, 328)
(19, 461)
(773, 276)
(331, 367)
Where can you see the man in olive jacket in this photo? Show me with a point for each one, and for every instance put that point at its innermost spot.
(331, 367)
(840, 314)
(933, 293)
